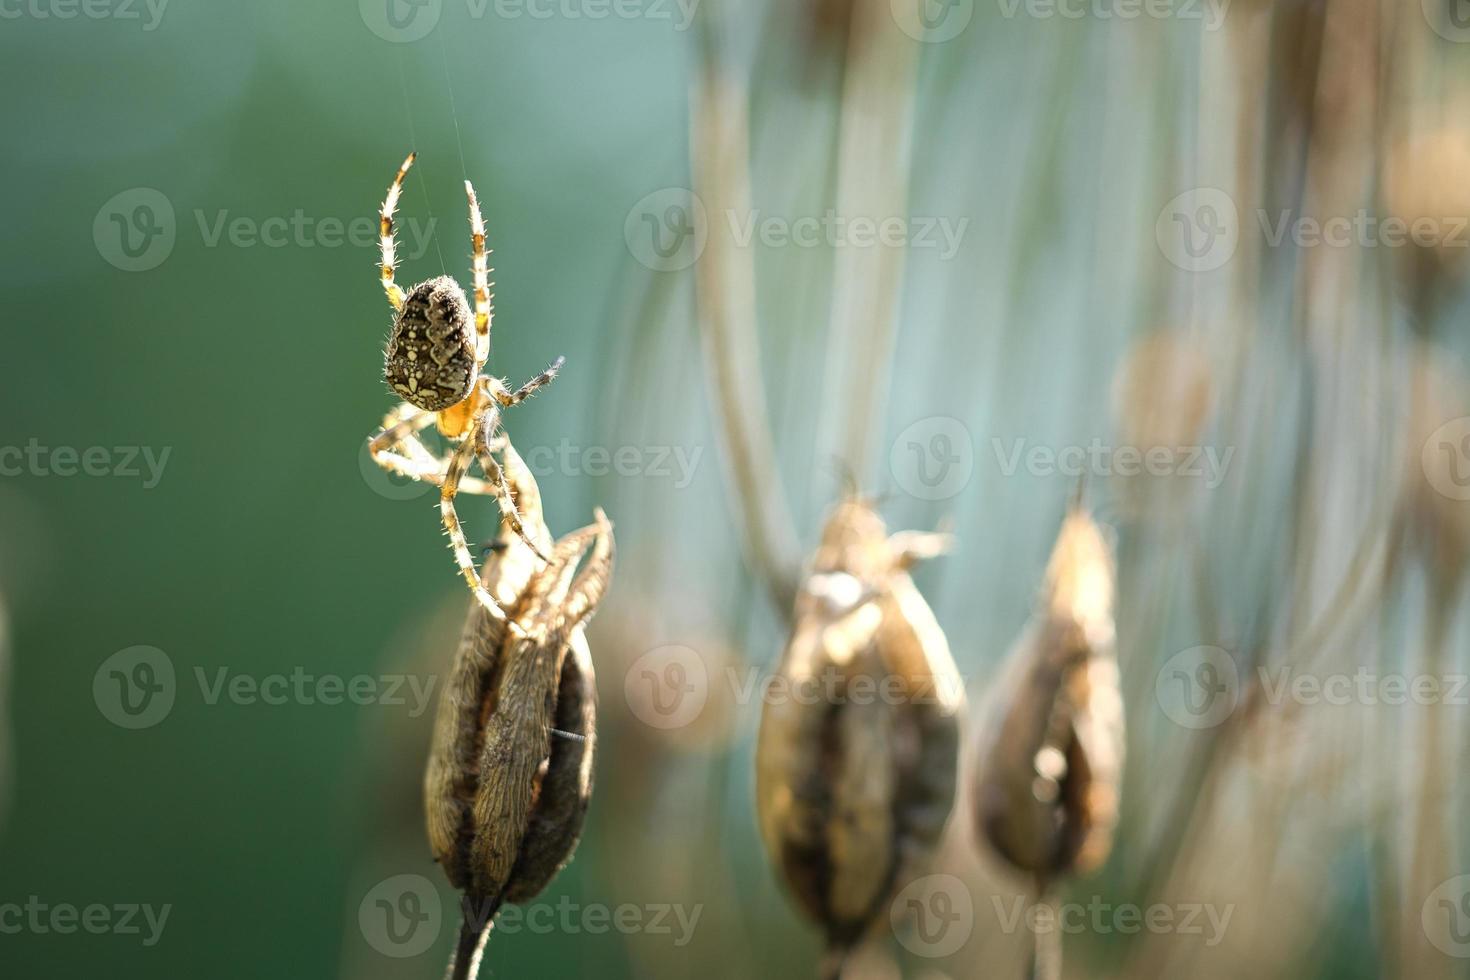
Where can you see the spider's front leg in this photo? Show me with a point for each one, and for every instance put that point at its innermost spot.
(506, 398)
(458, 465)
(485, 429)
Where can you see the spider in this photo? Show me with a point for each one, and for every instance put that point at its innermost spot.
(435, 362)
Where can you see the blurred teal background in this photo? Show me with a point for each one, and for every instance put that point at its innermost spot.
(269, 545)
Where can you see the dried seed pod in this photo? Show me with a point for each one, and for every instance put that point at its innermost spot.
(857, 752)
(510, 769)
(1047, 790)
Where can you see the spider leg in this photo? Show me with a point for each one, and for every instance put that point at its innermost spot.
(507, 398)
(496, 477)
(398, 449)
(385, 236)
(484, 308)
(458, 464)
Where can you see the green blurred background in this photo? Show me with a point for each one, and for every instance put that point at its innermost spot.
(269, 544)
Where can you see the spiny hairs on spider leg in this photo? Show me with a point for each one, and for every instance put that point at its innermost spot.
(430, 358)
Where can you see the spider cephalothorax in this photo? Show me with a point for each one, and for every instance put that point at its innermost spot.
(435, 359)
(431, 352)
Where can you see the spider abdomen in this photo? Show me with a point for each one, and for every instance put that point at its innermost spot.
(431, 351)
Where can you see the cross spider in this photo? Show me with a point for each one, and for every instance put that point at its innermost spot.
(435, 362)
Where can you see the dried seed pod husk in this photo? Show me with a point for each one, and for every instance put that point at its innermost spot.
(1046, 794)
(857, 752)
(1424, 187)
(509, 777)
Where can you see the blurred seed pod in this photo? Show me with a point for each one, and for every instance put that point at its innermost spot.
(1424, 186)
(1163, 395)
(858, 746)
(1046, 794)
(509, 777)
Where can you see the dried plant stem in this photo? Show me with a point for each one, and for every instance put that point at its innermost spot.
(833, 962)
(725, 309)
(872, 179)
(469, 951)
(1046, 956)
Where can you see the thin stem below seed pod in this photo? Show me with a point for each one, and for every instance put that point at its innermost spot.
(469, 951)
(832, 962)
